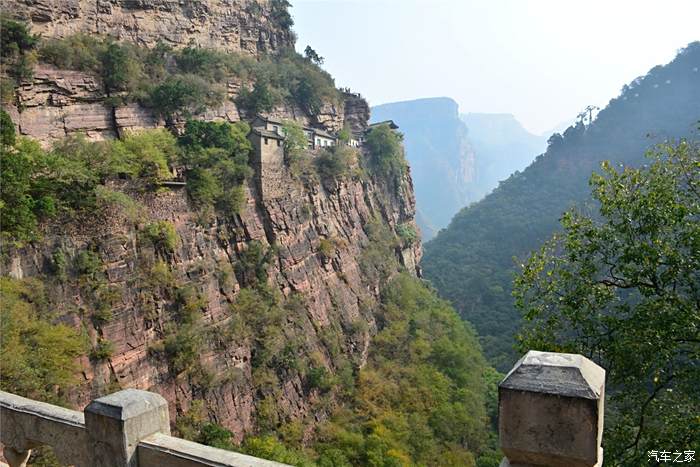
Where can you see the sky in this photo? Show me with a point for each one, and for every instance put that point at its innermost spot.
(541, 60)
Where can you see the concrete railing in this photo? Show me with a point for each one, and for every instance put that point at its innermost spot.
(550, 415)
(550, 412)
(129, 428)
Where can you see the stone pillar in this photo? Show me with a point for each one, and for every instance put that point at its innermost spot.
(117, 422)
(550, 408)
(16, 458)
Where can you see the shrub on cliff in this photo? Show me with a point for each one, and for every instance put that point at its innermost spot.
(17, 49)
(335, 163)
(216, 157)
(262, 98)
(39, 357)
(386, 152)
(162, 235)
(183, 96)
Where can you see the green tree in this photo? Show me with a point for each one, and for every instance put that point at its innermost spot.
(16, 48)
(7, 130)
(39, 358)
(623, 287)
(312, 56)
(260, 99)
(216, 154)
(386, 151)
(183, 95)
(295, 142)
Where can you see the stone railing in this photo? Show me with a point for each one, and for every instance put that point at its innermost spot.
(550, 415)
(128, 428)
(550, 412)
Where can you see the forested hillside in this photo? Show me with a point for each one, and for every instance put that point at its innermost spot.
(472, 261)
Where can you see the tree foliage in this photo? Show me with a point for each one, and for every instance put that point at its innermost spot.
(17, 45)
(623, 288)
(39, 357)
(39, 184)
(216, 157)
(421, 399)
(386, 152)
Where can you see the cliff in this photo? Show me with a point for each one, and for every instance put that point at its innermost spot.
(250, 26)
(335, 295)
(56, 103)
(308, 241)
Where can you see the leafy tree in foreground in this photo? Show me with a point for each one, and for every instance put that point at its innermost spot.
(624, 289)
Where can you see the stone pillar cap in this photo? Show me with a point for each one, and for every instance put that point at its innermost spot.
(126, 404)
(561, 374)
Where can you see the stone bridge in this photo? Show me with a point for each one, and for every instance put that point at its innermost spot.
(550, 415)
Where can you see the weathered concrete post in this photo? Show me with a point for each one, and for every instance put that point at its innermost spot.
(551, 411)
(117, 422)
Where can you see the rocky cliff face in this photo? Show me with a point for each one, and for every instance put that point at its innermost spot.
(317, 234)
(57, 103)
(334, 294)
(251, 26)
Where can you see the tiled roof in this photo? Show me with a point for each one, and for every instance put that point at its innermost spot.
(391, 124)
(267, 133)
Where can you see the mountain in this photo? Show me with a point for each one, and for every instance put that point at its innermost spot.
(502, 147)
(471, 261)
(165, 226)
(456, 159)
(441, 158)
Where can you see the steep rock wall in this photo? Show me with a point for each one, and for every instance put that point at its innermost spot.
(335, 294)
(236, 25)
(338, 301)
(57, 103)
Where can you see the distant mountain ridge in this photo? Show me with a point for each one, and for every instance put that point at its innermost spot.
(502, 146)
(456, 159)
(471, 261)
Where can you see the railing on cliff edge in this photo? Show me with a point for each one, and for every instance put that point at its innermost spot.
(550, 415)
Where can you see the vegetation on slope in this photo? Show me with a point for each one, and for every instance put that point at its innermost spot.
(623, 287)
(424, 397)
(72, 177)
(38, 355)
(174, 83)
(471, 262)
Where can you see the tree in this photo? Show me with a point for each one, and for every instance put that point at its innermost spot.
(16, 49)
(295, 141)
(386, 151)
(623, 288)
(312, 56)
(116, 68)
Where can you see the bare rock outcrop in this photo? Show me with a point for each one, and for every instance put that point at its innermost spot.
(249, 26)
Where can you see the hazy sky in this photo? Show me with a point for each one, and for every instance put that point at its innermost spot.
(541, 60)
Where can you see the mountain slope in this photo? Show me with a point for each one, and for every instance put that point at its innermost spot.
(502, 146)
(441, 159)
(471, 262)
